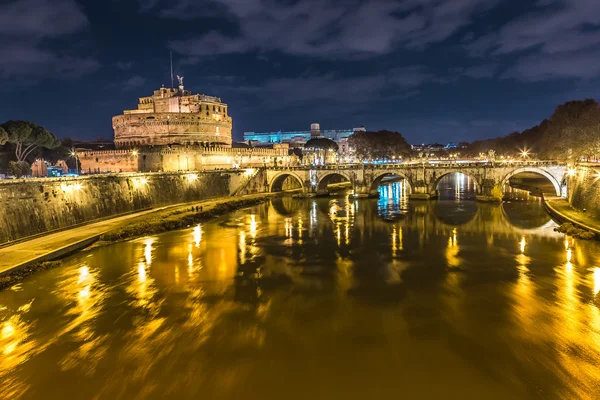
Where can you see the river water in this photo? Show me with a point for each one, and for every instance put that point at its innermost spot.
(318, 299)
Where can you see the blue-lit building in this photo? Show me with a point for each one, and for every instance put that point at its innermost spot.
(299, 137)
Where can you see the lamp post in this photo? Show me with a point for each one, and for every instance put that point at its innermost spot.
(74, 155)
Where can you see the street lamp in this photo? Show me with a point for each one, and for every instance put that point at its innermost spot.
(74, 155)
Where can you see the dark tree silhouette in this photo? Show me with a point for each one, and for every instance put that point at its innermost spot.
(379, 145)
(27, 137)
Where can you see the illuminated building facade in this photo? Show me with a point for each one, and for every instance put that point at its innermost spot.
(298, 138)
(174, 116)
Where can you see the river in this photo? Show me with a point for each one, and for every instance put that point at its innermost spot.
(318, 299)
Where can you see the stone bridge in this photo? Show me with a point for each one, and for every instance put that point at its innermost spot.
(421, 178)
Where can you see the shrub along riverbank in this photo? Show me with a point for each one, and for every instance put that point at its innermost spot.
(15, 277)
(163, 222)
(578, 233)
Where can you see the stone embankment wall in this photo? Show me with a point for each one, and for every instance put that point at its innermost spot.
(584, 189)
(33, 206)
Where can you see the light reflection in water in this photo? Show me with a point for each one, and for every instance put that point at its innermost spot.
(596, 279)
(197, 235)
(452, 250)
(520, 304)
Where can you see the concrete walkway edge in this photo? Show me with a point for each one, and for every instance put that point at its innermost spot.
(554, 212)
(47, 248)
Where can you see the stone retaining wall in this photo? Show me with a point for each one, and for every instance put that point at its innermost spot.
(33, 206)
(584, 189)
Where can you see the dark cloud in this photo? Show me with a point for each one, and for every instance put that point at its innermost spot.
(134, 82)
(328, 28)
(559, 39)
(480, 71)
(28, 28)
(124, 65)
(40, 18)
(331, 89)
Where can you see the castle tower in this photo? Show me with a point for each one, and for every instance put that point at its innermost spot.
(174, 116)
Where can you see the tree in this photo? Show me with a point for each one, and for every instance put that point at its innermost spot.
(19, 168)
(3, 136)
(379, 145)
(497, 193)
(27, 137)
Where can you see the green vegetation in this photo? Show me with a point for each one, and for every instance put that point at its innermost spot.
(15, 277)
(27, 136)
(571, 230)
(382, 145)
(570, 134)
(3, 136)
(19, 168)
(161, 222)
(497, 193)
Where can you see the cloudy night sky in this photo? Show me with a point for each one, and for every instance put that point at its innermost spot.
(435, 70)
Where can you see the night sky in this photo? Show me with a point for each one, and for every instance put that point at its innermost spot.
(435, 70)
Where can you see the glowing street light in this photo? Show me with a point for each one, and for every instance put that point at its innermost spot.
(74, 155)
(134, 153)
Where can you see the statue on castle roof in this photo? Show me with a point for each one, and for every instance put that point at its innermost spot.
(180, 80)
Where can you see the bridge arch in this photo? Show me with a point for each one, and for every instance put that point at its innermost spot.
(555, 182)
(277, 182)
(380, 177)
(332, 177)
(436, 181)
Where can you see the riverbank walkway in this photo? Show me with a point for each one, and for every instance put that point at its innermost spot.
(58, 244)
(561, 209)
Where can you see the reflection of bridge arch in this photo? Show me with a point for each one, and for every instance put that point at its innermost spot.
(330, 178)
(456, 214)
(377, 180)
(438, 179)
(276, 184)
(286, 206)
(539, 171)
(531, 222)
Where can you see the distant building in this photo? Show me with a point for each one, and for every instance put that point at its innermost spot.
(427, 148)
(298, 138)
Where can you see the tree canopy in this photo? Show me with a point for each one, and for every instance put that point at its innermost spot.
(28, 136)
(3, 136)
(379, 145)
(571, 133)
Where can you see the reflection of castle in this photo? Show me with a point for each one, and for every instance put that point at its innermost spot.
(174, 116)
(175, 130)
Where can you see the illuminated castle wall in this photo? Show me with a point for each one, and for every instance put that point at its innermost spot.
(174, 116)
(175, 130)
(183, 158)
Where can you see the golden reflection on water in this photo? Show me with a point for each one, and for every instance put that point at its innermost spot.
(197, 235)
(452, 250)
(596, 280)
(522, 244)
(170, 331)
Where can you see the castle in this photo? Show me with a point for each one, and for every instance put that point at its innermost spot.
(176, 130)
(174, 116)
